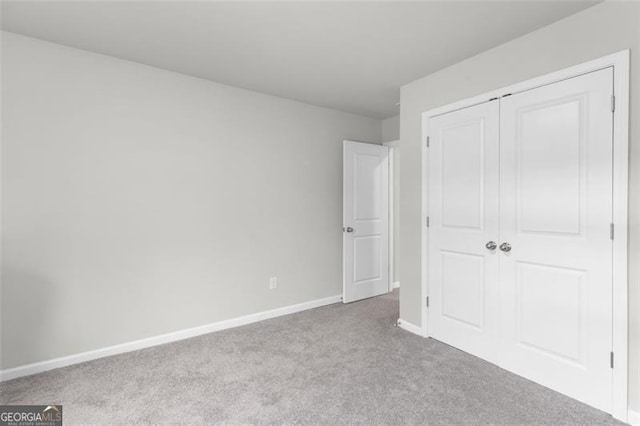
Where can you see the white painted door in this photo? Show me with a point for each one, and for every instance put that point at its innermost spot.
(531, 172)
(463, 221)
(555, 212)
(365, 221)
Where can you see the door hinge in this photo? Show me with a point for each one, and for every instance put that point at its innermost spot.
(427, 141)
(427, 221)
(611, 230)
(611, 359)
(613, 103)
(427, 301)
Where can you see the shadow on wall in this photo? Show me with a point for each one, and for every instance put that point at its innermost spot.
(31, 300)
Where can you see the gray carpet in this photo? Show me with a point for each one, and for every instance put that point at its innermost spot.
(340, 364)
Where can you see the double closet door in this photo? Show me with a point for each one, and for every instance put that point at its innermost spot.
(519, 238)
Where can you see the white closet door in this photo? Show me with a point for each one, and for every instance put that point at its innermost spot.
(463, 216)
(556, 210)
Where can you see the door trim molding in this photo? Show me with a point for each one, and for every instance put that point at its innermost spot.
(620, 63)
(393, 145)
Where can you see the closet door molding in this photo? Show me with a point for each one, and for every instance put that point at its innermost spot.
(619, 62)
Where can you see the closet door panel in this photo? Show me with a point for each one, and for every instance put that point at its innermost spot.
(556, 210)
(463, 216)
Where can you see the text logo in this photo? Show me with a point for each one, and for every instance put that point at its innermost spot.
(30, 415)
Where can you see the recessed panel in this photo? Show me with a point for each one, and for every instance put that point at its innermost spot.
(463, 287)
(550, 308)
(549, 161)
(367, 185)
(462, 175)
(366, 253)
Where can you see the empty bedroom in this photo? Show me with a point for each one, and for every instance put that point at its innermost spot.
(320, 212)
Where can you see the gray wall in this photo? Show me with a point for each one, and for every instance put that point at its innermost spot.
(603, 29)
(137, 201)
(391, 129)
(397, 152)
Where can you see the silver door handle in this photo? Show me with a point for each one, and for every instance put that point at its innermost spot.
(349, 229)
(505, 247)
(491, 245)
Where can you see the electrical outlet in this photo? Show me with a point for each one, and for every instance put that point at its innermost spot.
(273, 283)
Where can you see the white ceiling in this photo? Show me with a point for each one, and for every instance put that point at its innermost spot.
(349, 56)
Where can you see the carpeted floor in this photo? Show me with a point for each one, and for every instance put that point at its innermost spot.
(340, 364)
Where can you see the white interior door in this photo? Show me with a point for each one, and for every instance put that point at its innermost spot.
(365, 221)
(463, 229)
(556, 211)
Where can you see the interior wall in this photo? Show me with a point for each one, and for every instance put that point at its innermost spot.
(391, 129)
(397, 152)
(138, 201)
(598, 31)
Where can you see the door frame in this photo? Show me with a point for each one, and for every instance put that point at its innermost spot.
(620, 63)
(393, 145)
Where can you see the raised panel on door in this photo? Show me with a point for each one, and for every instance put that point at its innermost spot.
(366, 248)
(551, 298)
(462, 146)
(463, 218)
(463, 288)
(366, 221)
(549, 153)
(556, 209)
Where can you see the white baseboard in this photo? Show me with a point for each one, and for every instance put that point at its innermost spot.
(405, 325)
(396, 284)
(633, 418)
(39, 367)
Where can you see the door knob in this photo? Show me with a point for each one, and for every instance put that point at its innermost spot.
(491, 245)
(349, 229)
(505, 247)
